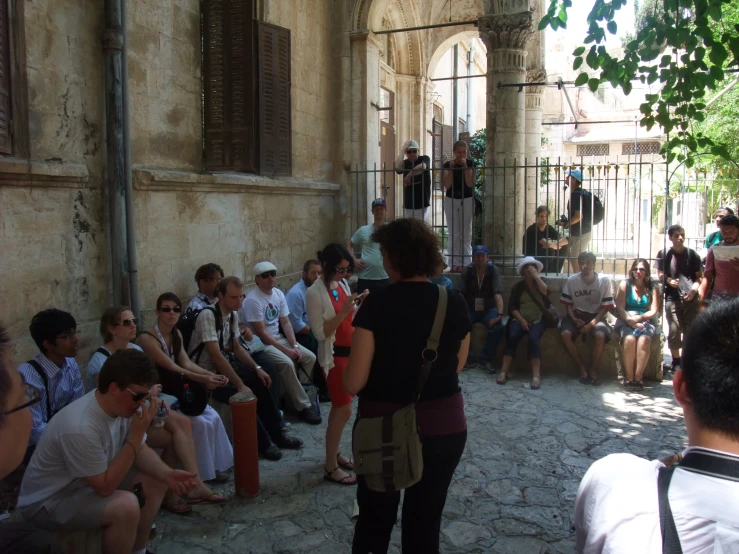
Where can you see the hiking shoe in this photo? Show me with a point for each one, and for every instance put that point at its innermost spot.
(310, 415)
(272, 453)
(288, 442)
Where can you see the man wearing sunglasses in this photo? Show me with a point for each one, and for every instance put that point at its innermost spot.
(54, 372)
(93, 454)
(416, 173)
(265, 310)
(16, 400)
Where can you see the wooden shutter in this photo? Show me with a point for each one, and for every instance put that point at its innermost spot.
(5, 120)
(229, 109)
(275, 117)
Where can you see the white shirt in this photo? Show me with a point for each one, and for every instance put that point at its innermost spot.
(268, 308)
(617, 509)
(588, 297)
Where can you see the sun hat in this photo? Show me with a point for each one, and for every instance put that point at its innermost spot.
(264, 267)
(529, 260)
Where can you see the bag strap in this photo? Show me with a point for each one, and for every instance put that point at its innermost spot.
(35, 365)
(670, 539)
(104, 352)
(536, 296)
(429, 354)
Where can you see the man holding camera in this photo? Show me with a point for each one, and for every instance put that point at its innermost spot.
(92, 468)
(579, 218)
(416, 180)
(458, 177)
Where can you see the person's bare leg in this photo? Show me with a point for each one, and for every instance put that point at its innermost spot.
(337, 419)
(629, 351)
(575, 265)
(181, 429)
(536, 369)
(574, 352)
(643, 347)
(154, 492)
(599, 345)
(162, 438)
(120, 520)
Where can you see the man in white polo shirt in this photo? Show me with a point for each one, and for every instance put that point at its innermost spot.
(372, 274)
(265, 309)
(623, 498)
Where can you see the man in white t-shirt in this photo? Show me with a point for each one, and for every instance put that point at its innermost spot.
(617, 508)
(587, 296)
(92, 468)
(265, 310)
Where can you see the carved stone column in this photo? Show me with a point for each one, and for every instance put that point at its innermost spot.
(533, 138)
(506, 37)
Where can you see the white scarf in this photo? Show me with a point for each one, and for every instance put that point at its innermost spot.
(320, 309)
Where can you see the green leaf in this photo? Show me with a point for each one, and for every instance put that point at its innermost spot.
(593, 84)
(581, 79)
(579, 51)
(714, 12)
(577, 63)
(562, 15)
(612, 27)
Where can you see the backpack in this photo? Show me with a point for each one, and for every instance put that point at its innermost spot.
(186, 326)
(598, 209)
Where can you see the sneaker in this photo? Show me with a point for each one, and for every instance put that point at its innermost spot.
(272, 453)
(288, 442)
(310, 415)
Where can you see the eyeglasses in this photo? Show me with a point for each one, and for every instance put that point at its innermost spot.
(138, 396)
(128, 322)
(67, 336)
(34, 397)
(167, 309)
(640, 270)
(266, 274)
(342, 270)
(412, 152)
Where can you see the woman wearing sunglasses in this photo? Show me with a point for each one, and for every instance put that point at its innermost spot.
(118, 328)
(637, 305)
(163, 344)
(330, 306)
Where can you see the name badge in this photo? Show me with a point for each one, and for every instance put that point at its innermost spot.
(479, 304)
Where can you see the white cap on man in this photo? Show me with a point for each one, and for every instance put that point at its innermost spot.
(264, 267)
(412, 145)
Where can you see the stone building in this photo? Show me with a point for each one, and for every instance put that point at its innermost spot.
(234, 121)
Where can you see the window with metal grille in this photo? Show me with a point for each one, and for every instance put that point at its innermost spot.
(5, 119)
(462, 125)
(593, 149)
(247, 122)
(627, 148)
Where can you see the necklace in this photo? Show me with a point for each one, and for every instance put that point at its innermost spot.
(161, 340)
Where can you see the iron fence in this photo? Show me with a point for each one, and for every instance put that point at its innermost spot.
(633, 191)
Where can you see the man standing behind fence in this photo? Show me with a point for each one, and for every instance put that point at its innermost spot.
(372, 274)
(459, 205)
(579, 218)
(416, 180)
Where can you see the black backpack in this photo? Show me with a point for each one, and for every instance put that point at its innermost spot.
(589, 199)
(186, 326)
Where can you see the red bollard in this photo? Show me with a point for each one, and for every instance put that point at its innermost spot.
(246, 448)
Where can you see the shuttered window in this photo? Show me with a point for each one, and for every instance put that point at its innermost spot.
(246, 90)
(275, 126)
(5, 119)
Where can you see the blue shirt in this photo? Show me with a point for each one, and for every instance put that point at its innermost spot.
(295, 299)
(96, 364)
(65, 386)
(443, 281)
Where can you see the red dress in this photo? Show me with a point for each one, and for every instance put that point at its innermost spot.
(335, 377)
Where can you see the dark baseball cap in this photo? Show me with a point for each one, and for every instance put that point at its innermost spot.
(379, 202)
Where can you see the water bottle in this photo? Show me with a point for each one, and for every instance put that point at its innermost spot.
(188, 397)
(160, 418)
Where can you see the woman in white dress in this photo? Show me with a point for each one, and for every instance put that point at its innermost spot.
(163, 344)
(177, 438)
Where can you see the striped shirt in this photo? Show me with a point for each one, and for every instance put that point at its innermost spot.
(65, 384)
(590, 297)
(200, 301)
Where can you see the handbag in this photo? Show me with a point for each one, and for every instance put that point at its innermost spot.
(549, 313)
(387, 450)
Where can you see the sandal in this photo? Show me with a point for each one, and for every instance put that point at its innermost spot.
(212, 498)
(348, 480)
(638, 386)
(177, 506)
(628, 385)
(535, 383)
(502, 379)
(220, 478)
(586, 381)
(595, 382)
(344, 465)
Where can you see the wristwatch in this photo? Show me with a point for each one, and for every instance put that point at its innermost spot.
(259, 367)
(296, 346)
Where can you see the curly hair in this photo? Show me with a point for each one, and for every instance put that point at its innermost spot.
(410, 246)
(648, 285)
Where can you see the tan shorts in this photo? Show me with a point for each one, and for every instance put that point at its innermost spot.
(579, 244)
(79, 509)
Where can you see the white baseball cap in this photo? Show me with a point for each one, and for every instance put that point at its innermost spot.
(412, 145)
(264, 267)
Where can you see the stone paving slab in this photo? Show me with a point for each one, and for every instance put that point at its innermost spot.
(513, 492)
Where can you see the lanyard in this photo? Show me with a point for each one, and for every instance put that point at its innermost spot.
(480, 281)
(161, 339)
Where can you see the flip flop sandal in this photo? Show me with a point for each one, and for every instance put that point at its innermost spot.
(180, 507)
(212, 498)
(346, 465)
(628, 385)
(586, 381)
(220, 478)
(638, 386)
(535, 384)
(347, 481)
(502, 379)
(595, 382)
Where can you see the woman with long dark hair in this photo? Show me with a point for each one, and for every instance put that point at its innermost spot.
(163, 344)
(637, 304)
(330, 306)
(392, 329)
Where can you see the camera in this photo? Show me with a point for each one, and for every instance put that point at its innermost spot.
(563, 219)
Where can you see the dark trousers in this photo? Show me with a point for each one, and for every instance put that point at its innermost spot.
(422, 506)
(310, 342)
(514, 333)
(371, 284)
(22, 537)
(494, 334)
(268, 414)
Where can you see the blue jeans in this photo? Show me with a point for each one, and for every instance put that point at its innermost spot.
(494, 335)
(514, 333)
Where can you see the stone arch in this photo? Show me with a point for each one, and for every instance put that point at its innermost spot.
(443, 42)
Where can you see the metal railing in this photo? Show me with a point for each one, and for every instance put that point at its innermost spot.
(633, 192)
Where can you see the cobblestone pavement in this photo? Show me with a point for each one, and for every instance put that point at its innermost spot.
(513, 491)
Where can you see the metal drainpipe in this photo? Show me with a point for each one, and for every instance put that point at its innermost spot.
(470, 62)
(455, 96)
(133, 268)
(114, 137)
